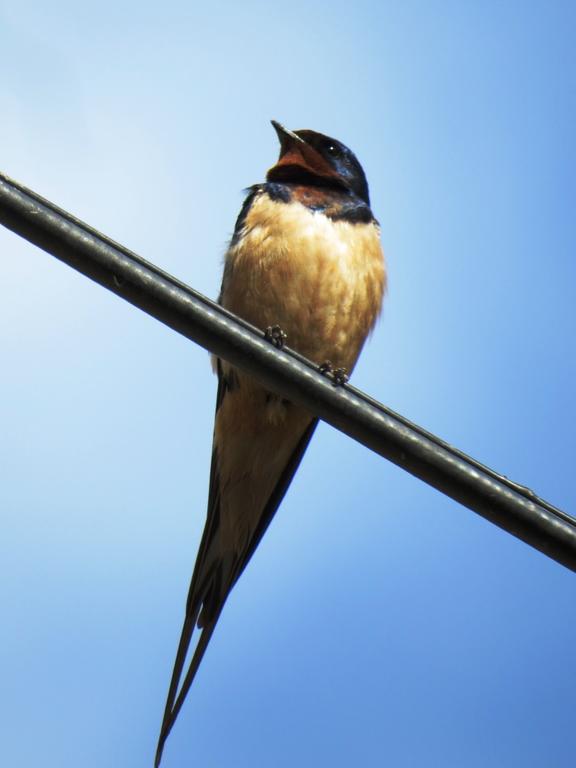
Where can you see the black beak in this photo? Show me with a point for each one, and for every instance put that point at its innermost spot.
(285, 136)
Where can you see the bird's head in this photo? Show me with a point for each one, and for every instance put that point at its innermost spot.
(308, 157)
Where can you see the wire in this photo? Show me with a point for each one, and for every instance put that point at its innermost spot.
(511, 506)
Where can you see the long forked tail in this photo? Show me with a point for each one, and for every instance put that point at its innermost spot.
(202, 586)
(206, 597)
(176, 698)
(212, 582)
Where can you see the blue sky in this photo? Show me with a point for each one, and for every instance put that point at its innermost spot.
(379, 623)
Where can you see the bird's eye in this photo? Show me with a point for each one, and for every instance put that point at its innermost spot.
(332, 149)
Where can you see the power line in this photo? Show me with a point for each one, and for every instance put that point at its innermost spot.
(509, 505)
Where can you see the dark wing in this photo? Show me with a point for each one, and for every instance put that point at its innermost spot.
(214, 587)
(252, 191)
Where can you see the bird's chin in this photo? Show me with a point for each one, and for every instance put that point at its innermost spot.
(297, 173)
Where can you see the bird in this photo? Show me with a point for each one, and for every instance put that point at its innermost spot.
(305, 263)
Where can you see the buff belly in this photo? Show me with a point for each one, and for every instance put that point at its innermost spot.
(320, 280)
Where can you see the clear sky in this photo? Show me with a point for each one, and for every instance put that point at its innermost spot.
(379, 624)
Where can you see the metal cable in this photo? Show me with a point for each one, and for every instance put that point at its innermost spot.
(509, 505)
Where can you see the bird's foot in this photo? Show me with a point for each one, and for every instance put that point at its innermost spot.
(339, 376)
(326, 368)
(275, 335)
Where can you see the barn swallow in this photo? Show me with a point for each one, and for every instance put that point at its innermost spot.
(305, 257)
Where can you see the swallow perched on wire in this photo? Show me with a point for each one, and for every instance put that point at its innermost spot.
(305, 262)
